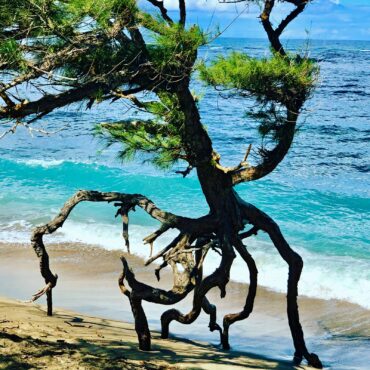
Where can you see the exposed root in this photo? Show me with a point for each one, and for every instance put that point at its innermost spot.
(211, 310)
(124, 210)
(141, 322)
(248, 307)
(263, 222)
(48, 287)
(126, 203)
(249, 233)
(152, 237)
(219, 278)
(188, 249)
(183, 284)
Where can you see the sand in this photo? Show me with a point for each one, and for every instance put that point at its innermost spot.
(93, 337)
(31, 340)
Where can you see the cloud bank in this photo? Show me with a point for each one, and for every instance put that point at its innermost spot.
(323, 19)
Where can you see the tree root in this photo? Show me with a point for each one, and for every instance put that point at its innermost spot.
(141, 322)
(126, 202)
(42, 291)
(248, 307)
(211, 310)
(219, 278)
(47, 289)
(263, 222)
(189, 249)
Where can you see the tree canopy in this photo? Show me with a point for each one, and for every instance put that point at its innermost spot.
(61, 52)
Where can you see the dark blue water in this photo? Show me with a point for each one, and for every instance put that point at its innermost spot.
(319, 194)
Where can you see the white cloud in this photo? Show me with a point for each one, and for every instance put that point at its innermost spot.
(209, 5)
(321, 18)
(192, 4)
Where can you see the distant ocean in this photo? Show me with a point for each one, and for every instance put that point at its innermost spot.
(319, 195)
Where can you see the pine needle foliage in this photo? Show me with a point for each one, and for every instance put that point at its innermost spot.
(174, 51)
(279, 79)
(159, 137)
(10, 55)
(278, 84)
(89, 41)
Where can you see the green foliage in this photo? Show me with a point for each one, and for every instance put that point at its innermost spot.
(103, 11)
(174, 50)
(90, 40)
(160, 137)
(150, 137)
(279, 84)
(43, 17)
(166, 110)
(12, 12)
(278, 79)
(48, 26)
(34, 18)
(11, 55)
(112, 43)
(272, 121)
(99, 61)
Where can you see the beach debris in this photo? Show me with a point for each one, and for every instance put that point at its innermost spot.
(72, 323)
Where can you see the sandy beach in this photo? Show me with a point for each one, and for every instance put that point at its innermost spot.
(87, 285)
(31, 340)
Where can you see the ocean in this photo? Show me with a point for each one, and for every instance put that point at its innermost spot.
(319, 194)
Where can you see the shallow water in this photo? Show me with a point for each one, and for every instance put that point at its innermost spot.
(319, 195)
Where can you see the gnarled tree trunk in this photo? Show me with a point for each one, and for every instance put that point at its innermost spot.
(221, 230)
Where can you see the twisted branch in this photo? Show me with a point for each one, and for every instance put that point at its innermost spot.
(126, 202)
(248, 307)
(219, 278)
(265, 223)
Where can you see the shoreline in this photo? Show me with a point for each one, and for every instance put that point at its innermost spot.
(87, 284)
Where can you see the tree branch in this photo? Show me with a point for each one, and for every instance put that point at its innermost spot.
(270, 158)
(284, 23)
(159, 4)
(50, 102)
(182, 7)
(271, 34)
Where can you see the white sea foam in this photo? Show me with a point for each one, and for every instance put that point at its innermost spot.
(45, 163)
(48, 163)
(325, 277)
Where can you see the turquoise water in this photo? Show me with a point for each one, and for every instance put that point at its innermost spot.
(319, 195)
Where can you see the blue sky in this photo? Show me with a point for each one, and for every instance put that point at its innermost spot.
(323, 19)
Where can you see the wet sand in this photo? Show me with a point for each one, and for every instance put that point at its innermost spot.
(88, 285)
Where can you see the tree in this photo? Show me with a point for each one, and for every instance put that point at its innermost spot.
(90, 51)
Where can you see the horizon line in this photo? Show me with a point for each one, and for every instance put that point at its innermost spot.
(292, 38)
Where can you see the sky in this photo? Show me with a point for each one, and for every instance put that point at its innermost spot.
(322, 19)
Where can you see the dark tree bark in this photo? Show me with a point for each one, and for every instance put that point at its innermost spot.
(248, 307)
(221, 227)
